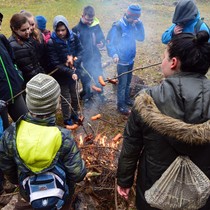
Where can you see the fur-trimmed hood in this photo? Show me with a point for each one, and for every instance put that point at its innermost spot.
(165, 125)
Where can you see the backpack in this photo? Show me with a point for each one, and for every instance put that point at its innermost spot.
(198, 25)
(47, 190)
(119, 29)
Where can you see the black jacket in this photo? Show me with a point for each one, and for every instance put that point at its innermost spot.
(10, 79)
(58, 50)
(26, 57)
(154, 140)
(89, 36)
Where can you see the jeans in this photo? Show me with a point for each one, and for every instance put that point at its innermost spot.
(123, 90)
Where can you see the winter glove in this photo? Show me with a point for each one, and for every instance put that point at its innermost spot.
(2, 105)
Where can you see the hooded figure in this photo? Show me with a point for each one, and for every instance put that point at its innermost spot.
(185, 11)
(186, 19)
(65, 53)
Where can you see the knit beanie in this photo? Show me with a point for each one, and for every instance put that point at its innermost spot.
(42, 94)
(41, 22)
(134, 11)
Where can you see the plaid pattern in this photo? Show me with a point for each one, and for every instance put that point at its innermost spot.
(68, 155)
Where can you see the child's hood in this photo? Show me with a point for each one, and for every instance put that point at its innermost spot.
(185, 11)
(60, 18)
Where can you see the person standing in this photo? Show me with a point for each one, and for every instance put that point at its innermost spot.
(164, 117)
(92, 38)
(65, 53)
(186, 19)
(121, 46)
(20, 155)
(24, 47)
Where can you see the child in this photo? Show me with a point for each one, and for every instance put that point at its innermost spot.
(184, 95)
(65, 53)
(41, 24)
(185, 19)
(48, 144)
(121, 46)
(92, 38)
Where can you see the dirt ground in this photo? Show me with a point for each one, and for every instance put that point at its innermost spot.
(156, 16)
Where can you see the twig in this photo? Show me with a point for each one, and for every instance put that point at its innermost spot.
(115, 195)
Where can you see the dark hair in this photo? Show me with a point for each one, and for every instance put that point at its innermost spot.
(17, 21)
(1, 16)
(192, 50)
(89, 11)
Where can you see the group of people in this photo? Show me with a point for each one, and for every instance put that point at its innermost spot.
(48, 64)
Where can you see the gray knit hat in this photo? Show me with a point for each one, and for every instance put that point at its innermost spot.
(42, 94)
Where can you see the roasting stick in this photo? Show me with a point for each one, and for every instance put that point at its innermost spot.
(22, 91)
(112, 80)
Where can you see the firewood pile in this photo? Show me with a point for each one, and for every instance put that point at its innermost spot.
(98, 190)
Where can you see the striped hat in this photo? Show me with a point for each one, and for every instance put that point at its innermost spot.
(42, 94)
(134, 11)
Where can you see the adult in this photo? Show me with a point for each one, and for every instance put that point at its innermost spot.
(158, 129)
(121, 46)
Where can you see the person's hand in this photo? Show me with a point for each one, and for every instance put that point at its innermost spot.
(2, 105)
(74, 76)
(178, 29)
(123, 191)
(100, 45)
(115, 59)
(70, 61)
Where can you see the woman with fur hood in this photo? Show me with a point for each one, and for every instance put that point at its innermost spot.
(170, 119)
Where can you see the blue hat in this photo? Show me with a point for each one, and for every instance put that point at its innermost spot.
(134, 11)
(41, 22)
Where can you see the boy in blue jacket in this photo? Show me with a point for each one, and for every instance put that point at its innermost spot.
(121, 46)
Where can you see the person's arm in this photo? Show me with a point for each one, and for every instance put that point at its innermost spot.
(73, 162)
(54, 59)
(7, 162)
(131, 150)
(168, 34)
(139, 30)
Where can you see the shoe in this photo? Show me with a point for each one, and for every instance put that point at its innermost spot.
(74, 117)
(129, 102)
(124, 110)
(68, 122)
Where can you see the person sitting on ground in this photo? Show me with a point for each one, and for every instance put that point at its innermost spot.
(186, 19)
(49, 145)
(41, 22)
(151, 143)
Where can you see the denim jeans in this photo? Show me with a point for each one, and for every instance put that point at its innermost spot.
(123, 90)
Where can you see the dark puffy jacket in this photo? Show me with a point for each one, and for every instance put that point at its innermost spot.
(90, 36)
(57, 52)
(185, 97)
(10, 79)
(26, 57)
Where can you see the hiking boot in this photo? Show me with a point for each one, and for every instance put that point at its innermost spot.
(124, 110)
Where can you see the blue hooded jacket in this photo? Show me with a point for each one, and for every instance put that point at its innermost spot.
(122, 40)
